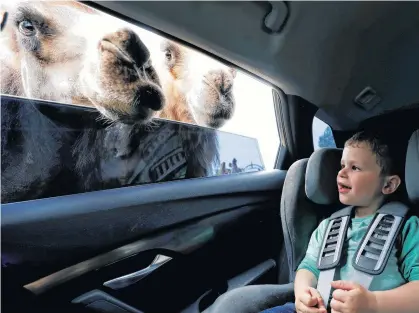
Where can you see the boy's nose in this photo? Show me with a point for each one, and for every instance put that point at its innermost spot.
(342, 173)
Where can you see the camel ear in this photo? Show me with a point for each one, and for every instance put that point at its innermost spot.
(233, 72)
(3, 19)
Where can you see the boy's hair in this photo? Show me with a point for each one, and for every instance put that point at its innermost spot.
(379, 147)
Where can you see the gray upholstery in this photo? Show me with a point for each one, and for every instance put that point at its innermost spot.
(252, 299)
(295, 207)
(322, 169)
(293, 196)
(412, 168)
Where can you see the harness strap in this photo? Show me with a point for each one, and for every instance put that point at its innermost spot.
(372, 254)
(331, 250)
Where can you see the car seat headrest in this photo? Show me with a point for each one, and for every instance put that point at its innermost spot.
(322, 169)
(412, 168)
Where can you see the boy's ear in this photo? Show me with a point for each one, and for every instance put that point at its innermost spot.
(391, 184)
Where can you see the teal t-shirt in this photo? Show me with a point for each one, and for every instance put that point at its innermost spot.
(402, 265)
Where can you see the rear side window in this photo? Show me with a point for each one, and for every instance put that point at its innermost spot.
(322, 135)
(104, 104)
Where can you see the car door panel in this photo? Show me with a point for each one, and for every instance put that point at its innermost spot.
(208, 237)
(45, 230)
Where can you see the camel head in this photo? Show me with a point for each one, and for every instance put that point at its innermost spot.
(206, 83)
(64, 51)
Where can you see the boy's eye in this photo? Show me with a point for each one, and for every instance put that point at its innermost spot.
(355, 168)
(342, 166)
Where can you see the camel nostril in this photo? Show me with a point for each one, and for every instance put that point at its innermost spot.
(129, 43)
(136, 48)
(150, 97)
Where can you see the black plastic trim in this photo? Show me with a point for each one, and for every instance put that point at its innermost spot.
(128, 197)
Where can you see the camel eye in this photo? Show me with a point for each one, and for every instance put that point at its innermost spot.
(226, 89)
(26, 28)
(168, 55)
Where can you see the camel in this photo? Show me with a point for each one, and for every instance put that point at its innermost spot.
(48, 54)
(198, 89)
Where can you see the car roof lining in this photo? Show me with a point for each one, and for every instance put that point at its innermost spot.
(326, 53)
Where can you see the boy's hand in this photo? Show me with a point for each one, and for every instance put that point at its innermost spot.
(309, 301)
(351, 297)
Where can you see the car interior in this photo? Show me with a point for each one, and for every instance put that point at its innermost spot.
(182, 246)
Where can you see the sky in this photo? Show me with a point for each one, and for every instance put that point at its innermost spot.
(254, 117)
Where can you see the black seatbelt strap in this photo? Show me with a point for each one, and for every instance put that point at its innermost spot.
(372, 254)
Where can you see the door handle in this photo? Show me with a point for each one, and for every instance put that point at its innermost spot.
(129, 279)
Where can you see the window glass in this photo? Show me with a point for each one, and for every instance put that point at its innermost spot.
(322, 135)
(51, 149)
(75, 63)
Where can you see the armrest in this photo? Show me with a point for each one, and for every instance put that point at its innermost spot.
(253, 299)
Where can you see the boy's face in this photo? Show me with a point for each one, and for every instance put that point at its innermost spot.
(359, 180)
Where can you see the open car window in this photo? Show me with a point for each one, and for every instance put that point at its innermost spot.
(322, 135)
(90, 102)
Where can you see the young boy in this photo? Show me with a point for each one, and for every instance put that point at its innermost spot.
(366, 179)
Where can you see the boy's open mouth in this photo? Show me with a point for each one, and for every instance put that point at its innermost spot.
(343, 188)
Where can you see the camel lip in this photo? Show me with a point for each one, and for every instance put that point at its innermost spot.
(131, 120)
(140, 116)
